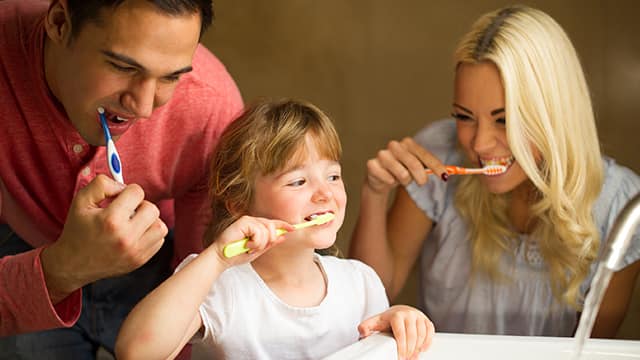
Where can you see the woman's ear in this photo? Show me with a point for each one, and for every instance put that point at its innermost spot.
(57, 22)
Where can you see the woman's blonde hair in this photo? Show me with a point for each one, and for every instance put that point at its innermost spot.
(548, 108)
(268, 136)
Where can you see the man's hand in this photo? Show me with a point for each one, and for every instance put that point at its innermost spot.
(99, 242)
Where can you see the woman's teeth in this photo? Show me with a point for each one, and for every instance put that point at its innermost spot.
(504, 161)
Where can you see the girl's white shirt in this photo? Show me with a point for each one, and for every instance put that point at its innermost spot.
(244, 319)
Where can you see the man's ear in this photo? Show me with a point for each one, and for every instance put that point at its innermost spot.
(57, 22)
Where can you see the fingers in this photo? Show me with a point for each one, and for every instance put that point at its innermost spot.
(262, 234)
(370, 325)
(431, 330)
(126, 204)
(426, 159)
(400, 163)
(99, 189)
(398, 327)
(412, 330)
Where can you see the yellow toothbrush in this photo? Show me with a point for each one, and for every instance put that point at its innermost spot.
(239, 247)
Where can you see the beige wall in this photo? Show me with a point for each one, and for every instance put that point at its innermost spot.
(382, 69)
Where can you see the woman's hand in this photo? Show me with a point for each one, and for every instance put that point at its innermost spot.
(411, 328)
(400, 163)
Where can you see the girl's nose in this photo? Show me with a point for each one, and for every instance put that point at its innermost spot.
(322, 193)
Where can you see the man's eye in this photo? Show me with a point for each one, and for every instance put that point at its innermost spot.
(171, 79)
(124, 69)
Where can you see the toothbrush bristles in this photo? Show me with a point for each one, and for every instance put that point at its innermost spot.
(494, 169)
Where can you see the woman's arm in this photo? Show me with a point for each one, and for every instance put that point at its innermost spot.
(615, 302)
(390, 241)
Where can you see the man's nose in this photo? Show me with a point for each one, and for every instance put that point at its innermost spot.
(140, 97)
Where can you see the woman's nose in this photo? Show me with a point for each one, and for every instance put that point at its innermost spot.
(485, 137)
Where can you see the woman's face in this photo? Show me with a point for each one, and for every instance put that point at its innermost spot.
(479, 109)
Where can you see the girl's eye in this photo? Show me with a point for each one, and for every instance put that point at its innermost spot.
(461, 117)
(335, 177)
(299, 182)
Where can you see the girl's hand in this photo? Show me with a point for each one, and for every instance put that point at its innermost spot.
(400, 163)
(262, 234)
(411, 328)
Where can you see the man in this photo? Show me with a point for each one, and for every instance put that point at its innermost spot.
(79, 249)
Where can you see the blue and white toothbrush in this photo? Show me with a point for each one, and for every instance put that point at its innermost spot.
(113, 159)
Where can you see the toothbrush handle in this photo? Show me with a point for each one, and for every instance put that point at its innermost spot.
(240, 246)
(451, 170)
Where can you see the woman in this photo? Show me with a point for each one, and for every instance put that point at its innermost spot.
(512, 253)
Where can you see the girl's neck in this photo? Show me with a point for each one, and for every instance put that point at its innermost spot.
(294, 277)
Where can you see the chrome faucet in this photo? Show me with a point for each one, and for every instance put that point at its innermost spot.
(617, 245)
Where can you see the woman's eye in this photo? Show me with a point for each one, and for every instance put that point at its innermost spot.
(501, 120)
(461, 117)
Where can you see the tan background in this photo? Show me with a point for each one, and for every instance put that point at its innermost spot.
(382, 70)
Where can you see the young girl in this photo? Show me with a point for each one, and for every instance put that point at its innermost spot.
(514, 253)
(281, 300)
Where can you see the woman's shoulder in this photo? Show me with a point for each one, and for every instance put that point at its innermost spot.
(620, 184)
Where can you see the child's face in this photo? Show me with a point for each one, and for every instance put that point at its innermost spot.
(479, 109)
(313, 187)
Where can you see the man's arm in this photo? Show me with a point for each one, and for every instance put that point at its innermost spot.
(25, 305)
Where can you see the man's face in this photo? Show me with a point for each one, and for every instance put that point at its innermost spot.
(129, 63)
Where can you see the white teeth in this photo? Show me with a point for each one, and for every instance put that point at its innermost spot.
(505, 161)
(121, 119)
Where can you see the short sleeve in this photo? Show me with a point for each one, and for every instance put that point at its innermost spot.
(440, 139)
(375, 297)
(620, 186)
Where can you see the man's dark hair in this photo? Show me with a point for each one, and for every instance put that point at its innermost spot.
(84, 11)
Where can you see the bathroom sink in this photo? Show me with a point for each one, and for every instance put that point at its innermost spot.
(493, 347)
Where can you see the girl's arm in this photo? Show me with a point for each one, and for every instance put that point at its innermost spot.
(164, 321)
(390, 241)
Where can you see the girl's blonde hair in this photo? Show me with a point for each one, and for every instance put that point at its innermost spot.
(547, 108)
(268, 136)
